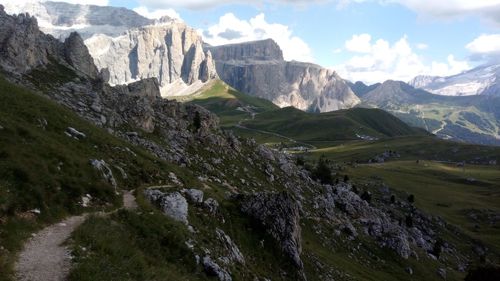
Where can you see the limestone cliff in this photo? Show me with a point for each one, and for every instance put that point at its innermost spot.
(258, 68)
(168, 50)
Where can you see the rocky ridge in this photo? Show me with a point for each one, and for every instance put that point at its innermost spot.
(258, 68)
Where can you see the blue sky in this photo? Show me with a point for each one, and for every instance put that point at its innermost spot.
(368, 40)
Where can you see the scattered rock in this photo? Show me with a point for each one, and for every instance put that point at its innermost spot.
(213, 269)
(86, 200)
(442, 273)
(105, 170)
(74, 133)
(194, 195)
(233, 250)
(174, 179)
(409, 270)
(211, 205)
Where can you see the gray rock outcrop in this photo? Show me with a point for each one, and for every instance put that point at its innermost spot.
(279, 214)
(213, 269)
(105, 170)
(24, 47)
(258, 68)
(77, 55)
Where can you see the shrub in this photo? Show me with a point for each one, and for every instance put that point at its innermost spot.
(322, 172)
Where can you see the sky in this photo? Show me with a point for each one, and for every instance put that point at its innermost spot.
(363, 40)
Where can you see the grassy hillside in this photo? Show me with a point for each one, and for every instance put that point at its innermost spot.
(332, 126)
(412, 148)
(230, 105)
(44, 173)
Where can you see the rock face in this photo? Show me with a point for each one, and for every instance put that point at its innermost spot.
(24, 47)
(61, 19)
(170, 51)
(279, 214)
(78, 56)
(258, 68)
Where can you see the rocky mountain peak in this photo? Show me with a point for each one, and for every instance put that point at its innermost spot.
(78, 56)
(258, 68)
(257, 50)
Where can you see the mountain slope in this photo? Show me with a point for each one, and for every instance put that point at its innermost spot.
(361, 89)
(350, 124)
(258, 68)
(482, 80)
(230, 105)
(470, 118)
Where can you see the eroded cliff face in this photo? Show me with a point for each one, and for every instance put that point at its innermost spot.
(170, 51)
(258, 68)
(24, 47)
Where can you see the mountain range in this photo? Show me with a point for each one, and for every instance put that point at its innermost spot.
(127, 47)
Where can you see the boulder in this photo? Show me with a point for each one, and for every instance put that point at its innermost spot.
(74, 133)
(175, 206)
(213, 269)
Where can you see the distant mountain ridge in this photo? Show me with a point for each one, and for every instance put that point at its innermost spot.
(60, 18)
(482, 80)
(474, 119)
(258, 68)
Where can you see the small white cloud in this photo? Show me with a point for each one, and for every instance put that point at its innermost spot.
(230, 29)
(204, 4)
(359, 43)
(337, 51)
(422, 46)
(156, 14)
(380, 60)
(485, 44)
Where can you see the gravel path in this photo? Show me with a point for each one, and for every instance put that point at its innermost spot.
(45, 257)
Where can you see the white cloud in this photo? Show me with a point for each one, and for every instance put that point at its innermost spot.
(203, 4)
(449, 9)
(359, 43)
(231, 29)
(156, 14)
(485, 44)
(83, 2)
(422, 46)
(380, 60)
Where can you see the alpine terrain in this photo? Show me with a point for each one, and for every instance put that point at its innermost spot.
(135, 151)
